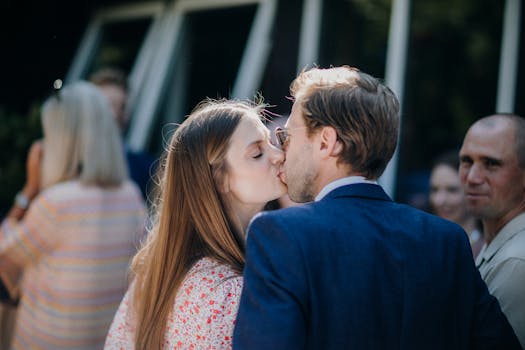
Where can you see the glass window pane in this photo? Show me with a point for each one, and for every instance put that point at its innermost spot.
(282, 61)
(119, 44)
(355, 33)
(205, 62)
(452, 70)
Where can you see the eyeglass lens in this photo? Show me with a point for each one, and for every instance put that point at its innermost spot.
(281, 135)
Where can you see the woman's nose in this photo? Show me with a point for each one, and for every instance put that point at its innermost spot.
(439, 198)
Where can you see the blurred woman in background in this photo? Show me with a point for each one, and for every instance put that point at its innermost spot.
(447, 198)
(66, 244)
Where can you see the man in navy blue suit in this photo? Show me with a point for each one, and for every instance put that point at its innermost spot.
(352, 269)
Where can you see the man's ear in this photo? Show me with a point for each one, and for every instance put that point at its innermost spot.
(330, 146)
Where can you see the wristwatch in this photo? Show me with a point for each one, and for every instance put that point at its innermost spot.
(21, 200)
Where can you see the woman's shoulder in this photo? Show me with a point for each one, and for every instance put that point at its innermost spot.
(63, 188)
(209, 282)
(210, 275)
(58, 195)
(69, 191)
(209, 265)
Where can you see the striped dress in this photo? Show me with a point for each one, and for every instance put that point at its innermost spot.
(70, 257)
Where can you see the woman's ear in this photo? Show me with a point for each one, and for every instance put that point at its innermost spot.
(330, 146)
(224, 185)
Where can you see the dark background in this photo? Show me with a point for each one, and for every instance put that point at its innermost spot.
(39, 40)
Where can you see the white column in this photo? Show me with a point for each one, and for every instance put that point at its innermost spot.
(147, 101)
(85, 51)
(395, 73)
(310, 32)
(508, 63)
(258, 45)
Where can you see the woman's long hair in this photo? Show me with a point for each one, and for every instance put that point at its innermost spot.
(191, 216)
(81, 138)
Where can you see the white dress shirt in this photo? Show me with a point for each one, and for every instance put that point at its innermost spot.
(343, 182)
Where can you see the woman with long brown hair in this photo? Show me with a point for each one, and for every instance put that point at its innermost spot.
(219, 170)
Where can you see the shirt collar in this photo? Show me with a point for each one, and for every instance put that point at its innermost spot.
(343, 182)
(506, 233)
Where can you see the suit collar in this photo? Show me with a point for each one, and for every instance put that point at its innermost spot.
(354, 179)
(363, 190)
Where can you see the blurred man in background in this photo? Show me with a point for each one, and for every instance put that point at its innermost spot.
(492, 171)
(114, 85)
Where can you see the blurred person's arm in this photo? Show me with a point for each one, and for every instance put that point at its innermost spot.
(27, 231)
(32, 185)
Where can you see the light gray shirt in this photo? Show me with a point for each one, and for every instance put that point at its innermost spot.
(502, 266)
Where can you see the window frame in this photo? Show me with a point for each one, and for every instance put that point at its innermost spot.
(94, 31)
(251, 69)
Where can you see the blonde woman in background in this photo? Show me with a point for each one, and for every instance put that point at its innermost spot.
(220, 169)
(67, 242)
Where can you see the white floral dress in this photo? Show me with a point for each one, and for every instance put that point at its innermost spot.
(203, 316)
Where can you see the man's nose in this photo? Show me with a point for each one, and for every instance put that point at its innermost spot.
(277, 155)
(475, 174)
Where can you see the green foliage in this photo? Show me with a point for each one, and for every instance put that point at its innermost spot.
(17, 133)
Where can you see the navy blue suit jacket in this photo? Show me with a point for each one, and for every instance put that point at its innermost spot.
(359, 271)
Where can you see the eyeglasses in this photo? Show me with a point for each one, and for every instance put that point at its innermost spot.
(282, 135)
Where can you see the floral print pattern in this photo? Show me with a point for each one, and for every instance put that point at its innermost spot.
(203, 316)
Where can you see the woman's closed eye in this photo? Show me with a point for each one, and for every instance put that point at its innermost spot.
(256, 151)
